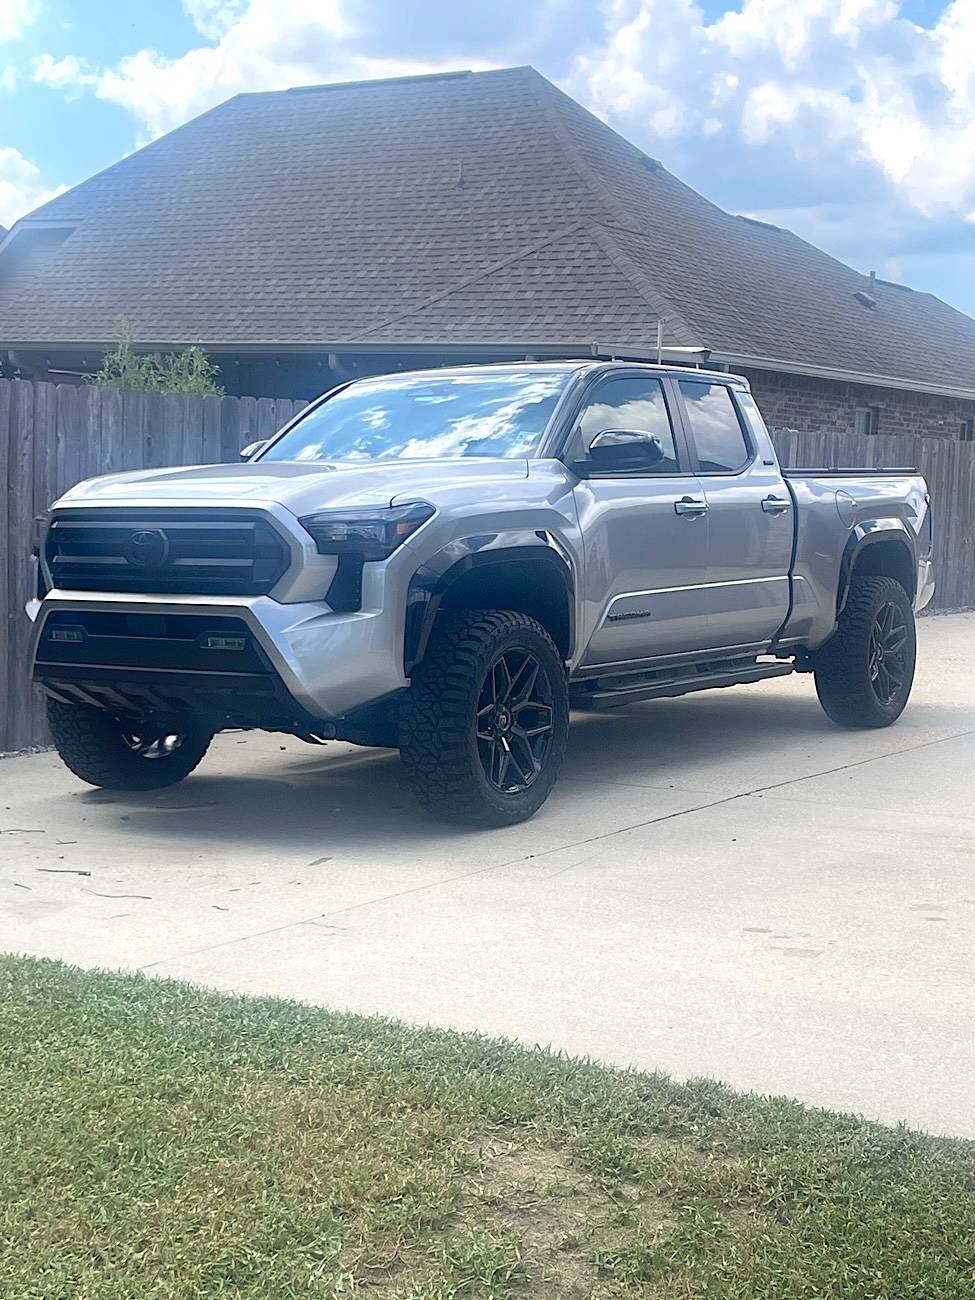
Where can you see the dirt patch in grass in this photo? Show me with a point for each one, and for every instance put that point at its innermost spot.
(536, 1195)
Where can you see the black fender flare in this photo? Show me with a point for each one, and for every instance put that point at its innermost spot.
(434, 578)
(871, 532)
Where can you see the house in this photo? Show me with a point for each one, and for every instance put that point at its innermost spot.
(307, 235)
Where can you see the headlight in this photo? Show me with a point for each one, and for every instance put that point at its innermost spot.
(369, 534)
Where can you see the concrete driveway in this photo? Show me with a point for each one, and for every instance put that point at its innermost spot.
(723, 884)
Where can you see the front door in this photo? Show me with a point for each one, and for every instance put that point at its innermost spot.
(750, 520)
(645, 532)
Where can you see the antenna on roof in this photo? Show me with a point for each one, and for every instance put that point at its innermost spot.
(660, 341)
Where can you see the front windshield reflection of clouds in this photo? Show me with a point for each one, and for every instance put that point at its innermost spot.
(425, 416)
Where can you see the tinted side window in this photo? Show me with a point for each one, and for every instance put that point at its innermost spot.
(631, 402)
(718, 436)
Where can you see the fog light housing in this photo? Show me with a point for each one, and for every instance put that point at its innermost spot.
(225, 643)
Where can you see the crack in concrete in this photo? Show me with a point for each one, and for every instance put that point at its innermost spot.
(562, 848)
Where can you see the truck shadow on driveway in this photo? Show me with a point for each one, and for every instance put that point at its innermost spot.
(355, 800)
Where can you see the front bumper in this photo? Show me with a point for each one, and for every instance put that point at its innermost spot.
(330, 664)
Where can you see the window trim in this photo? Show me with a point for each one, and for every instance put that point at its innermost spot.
(572, 436)
(750, 446)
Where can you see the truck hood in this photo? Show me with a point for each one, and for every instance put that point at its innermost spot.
(296, 486)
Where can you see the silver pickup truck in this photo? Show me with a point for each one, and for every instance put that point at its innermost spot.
(446, 561)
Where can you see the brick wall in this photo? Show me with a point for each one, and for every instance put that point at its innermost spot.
(809, 405)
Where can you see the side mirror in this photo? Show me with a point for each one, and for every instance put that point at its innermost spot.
(624, 449)
(253, 448)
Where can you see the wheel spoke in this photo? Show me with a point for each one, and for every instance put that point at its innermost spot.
(485, 722)
(500, 759)
(524, 682)
(502, 685)
(883, 681)
(524, 761)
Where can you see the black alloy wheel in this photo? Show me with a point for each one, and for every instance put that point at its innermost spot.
(515, 720)
(888, 653)
(120, 754)
(865, 671)
(485, 722)
(153, 742)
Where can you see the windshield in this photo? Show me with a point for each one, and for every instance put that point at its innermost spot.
(425, 415)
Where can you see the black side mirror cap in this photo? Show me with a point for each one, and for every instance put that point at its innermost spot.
(624, 449)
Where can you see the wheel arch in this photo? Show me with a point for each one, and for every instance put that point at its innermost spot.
(530, 574)
(879, 548)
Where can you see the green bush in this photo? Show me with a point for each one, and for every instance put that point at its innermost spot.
(188, 371)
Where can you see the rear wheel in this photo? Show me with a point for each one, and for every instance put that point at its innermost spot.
(121, 755)
(865, 671)
(485, 726)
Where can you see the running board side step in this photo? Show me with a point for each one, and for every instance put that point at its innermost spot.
(593, 695)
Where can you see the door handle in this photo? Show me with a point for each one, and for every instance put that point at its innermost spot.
(775, 505)
(690, 506)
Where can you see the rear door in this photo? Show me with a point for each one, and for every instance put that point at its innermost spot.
(645, 530)
(750, 518)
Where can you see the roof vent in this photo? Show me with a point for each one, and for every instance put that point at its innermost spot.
(652, 165)
(865, 299)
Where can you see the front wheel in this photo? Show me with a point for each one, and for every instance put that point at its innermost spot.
(117, 755)
(484, 728)
(865, 671)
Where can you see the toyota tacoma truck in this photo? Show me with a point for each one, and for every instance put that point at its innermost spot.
(447, 561)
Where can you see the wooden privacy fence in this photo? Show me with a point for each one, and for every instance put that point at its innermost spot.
(51, 436)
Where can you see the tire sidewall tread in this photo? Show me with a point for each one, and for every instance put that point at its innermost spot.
(438, 744)
(842, 665)
(91, 744)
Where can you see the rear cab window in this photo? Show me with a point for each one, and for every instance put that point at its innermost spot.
(716, 430)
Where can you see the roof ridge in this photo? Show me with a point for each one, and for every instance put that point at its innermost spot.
(601, 231)
(569, 147)
(368, 83)
(468, 280)
(624, 263)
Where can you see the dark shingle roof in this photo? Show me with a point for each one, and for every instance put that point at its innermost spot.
(484, 207)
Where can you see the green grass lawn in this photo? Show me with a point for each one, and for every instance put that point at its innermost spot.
(158, 1140)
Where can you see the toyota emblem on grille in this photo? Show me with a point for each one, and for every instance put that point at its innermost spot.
(148, 548)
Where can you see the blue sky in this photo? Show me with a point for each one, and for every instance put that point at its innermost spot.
(852, 122)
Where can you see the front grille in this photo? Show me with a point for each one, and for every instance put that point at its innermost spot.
(217, 553)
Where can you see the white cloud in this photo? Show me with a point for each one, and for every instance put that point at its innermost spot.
(21, 186)
(68, 73)
(15, 15)
(9, 76)
(258, 45)
(836, 82)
